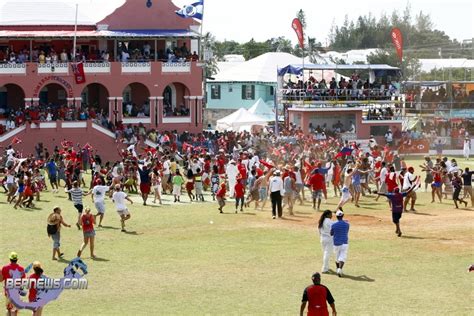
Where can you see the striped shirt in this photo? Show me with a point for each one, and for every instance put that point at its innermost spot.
(340, 232)
(76, 195)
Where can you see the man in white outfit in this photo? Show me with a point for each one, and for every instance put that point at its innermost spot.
(327, 242)
(232, 173)
(467, 148)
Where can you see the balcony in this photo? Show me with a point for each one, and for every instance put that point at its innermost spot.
(53, 68)
(12, 69)
(176, 67)
(97, 67)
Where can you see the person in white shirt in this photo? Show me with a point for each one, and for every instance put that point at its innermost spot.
(382, 177)
(98, 198)
(119, 197)
(326, 239)
(410, 181)
(232, 171)
(275, 187)
(466, 148)
(166, 176)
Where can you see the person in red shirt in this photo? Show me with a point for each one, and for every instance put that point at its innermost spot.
(87, 222)
(7, 273)
(317, 186)
(38, 272)
(316, 296)
(239, 194)
(220, 196)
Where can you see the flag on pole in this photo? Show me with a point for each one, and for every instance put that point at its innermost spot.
(298, 27)
(16, 140)
(194, 10)
(78, 71)
(344, 152)
(397, 40)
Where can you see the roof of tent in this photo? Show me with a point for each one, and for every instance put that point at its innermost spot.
(297, 69)
(238, 119)
(263, 110)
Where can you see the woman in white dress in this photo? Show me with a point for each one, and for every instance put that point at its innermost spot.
(467, 148)
(324, 228)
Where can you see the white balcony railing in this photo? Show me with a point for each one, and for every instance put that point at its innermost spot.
(13, 69)
(53, 68)
(176, 119)
(136, 67)
(176, 67)
(97, 68)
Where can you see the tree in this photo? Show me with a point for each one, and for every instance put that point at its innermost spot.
(302, 17)
(209, 45)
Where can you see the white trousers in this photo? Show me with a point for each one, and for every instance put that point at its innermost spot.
(327, 247)
(232, 183)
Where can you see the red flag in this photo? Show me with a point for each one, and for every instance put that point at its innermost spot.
(67, 143)
(397, 40)
(298, 27)
(87, 146)
(78, 71)
(16, 140)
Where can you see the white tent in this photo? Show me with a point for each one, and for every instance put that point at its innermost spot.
(240, 119)
(262, 109)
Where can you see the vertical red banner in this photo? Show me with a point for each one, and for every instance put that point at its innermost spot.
(78, 70)
(298, 27)
(397, 40)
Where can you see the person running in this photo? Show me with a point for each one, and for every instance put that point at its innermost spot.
(98, 198)
(346, 194)
(36, 275)
(198, 185)
(190, 185)
(119, 197)
(87, 221)
(324, 227)
(340, 233)
(457, 185)
(316, 296)
(7, 273)
(220, 196)
(177, 184)
(317, 185)
(410, 181)
(239, 195)
(437, 184)
(145, 182)
(396, 203)
(467, 184)
(76, 195)
(156, 186)
(214, 182)
(55, 221)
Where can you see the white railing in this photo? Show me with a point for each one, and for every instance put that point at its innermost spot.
(53, 68)
(136, 120)
(103, 130)
(177, 119)
(74, 124)
(13, 69)
(176, 67)
(12, 133)
(97, 68)
(136, 67)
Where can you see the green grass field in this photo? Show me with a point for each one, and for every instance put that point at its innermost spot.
(175, 262)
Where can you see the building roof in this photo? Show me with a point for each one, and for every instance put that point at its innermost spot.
(259, 69)
(430, 64)
(55, 12)
(99, 34)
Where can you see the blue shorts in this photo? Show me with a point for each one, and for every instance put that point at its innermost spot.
(436, 184)
(56, 240)
(89, 234)
(21, 188)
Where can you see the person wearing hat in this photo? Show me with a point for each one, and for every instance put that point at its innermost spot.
(7, 274)
(340, 234)
(119, 197)
(55, 221)
(37, 274)
(316, 296)
(275, 187)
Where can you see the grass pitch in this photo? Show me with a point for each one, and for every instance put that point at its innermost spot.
(183, 259)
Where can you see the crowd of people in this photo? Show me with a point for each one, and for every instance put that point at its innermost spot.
(237, 170)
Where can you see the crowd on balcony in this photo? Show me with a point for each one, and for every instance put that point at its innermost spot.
(169, 111)
(383, 113)
(351, 89)
(131, 109)
(430, 100)
(144, 53)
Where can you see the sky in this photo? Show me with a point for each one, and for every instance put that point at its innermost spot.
(241, 20)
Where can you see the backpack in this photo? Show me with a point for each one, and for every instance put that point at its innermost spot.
(52, 229)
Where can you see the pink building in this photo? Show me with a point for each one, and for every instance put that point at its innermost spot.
(138, 62)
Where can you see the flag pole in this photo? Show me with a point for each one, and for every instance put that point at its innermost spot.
(75, 35)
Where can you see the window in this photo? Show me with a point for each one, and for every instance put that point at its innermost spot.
(215, 92)
(248, 92)
(231, 88)
(378, 130)
(272, 90)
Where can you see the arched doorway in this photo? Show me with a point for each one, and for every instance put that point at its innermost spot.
(136, 100)
(53, 94)
(12, 98)
(96, 96)
(174, 103)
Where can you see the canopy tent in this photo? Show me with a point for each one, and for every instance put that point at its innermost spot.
(261, 109)
(379, 70)
(240, 119)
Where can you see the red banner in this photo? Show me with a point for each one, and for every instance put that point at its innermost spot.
(298, 27)
(418, 146)
(397, 40)
(78, 71)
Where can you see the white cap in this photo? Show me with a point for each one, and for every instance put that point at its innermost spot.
(339, 213)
